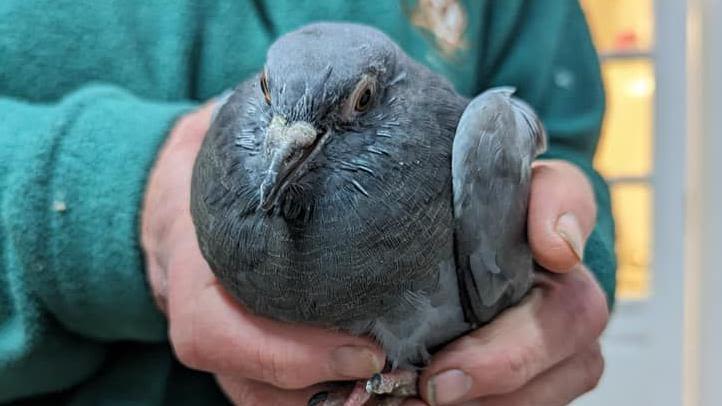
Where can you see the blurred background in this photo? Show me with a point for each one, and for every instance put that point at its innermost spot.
(659, 151)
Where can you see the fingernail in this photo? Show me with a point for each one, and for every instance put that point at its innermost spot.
(569, 229)
(356, 362)
(448, 387)
(318, 399)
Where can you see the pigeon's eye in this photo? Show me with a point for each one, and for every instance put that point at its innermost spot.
(264, 88)
(363, 101)
(362, 97)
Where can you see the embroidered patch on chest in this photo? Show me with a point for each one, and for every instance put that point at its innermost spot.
(446, 20)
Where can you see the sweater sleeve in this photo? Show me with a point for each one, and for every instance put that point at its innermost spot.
(546, 51)
(72, 176)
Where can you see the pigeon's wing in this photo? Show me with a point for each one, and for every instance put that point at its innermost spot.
(496, 140)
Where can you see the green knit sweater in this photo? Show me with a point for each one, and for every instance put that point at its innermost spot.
(89, 90)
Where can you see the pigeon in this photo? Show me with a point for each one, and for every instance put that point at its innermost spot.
(347, 186)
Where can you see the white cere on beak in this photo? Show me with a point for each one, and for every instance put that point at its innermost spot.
(299, 134)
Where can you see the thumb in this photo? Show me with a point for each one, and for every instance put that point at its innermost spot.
(562, 214)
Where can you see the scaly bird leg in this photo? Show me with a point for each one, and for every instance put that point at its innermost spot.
(389, 389)
(399, 383)
(359, 395)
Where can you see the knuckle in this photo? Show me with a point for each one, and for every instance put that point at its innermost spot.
(244, 396)
(185, 349)
(584, 304)
(593, 363)
(248, 396)
(190, 348)
(515, 369)
(239, 392)
(182, 337)
(273, 367)
(593, 305)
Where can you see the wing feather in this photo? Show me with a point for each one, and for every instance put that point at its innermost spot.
(497, 138)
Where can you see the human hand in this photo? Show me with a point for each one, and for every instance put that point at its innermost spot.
(255, 360)
(544, 351)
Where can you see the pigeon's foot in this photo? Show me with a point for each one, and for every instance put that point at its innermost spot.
(385, 389)
(359, 395)
(345, 395)
(399, 383)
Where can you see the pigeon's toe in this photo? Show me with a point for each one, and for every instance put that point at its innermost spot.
(399, 383)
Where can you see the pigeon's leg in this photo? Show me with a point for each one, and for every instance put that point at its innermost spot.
(359, 395)
(389, 388)
(399, 383)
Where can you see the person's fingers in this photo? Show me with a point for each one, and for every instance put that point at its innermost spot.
(244, 392)
(562, 214)
(560, 385)
(211, 332)
(168, 195)
(564, 314)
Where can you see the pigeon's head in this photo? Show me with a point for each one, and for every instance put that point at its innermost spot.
(324, 91)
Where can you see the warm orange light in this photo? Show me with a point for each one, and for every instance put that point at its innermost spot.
(625, 148)
(620, 25)
(632, 212)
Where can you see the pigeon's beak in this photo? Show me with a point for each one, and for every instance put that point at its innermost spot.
(288, 147)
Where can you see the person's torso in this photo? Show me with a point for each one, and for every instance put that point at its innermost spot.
(194, 50)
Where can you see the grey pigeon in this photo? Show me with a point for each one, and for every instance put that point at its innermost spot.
(348, 186)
